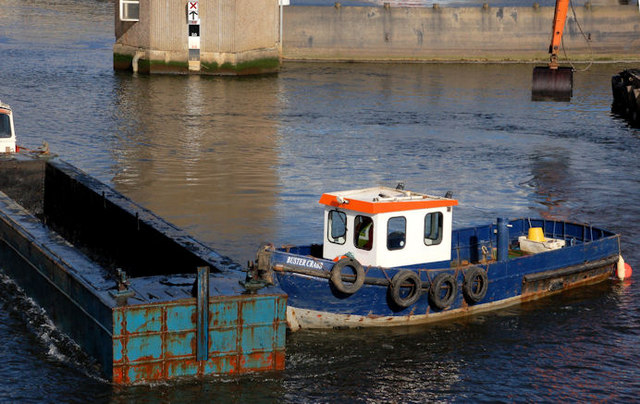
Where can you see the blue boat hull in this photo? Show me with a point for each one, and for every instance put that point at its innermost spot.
(313, 302)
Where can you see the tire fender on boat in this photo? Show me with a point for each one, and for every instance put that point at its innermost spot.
(336, 276)
(475, 284)
(438, 299)
(397, 282)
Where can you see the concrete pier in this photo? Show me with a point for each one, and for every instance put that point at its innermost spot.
(197, 36)
(468, 34)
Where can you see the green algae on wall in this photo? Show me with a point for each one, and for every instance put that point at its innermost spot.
(258, 66)
(122, 62)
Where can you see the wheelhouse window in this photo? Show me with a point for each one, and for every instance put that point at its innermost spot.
(363, 234)
(5, 126)
(433, 228)
(396, 233)
(337, 227)
(129, 10)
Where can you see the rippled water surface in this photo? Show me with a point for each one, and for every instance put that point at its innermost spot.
(238, 161)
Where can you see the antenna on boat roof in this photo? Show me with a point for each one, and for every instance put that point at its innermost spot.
(400, 186)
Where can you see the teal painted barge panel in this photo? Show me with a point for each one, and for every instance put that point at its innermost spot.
(144, 320)
(222, 365)
(180, 318)
(258, 311)
(118, 350)
(224, 314)
(222, 341)
(179, 344)
(257, 338)
(183, 368)
(143, 348)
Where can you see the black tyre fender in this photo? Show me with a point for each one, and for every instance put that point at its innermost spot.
(402, 277)
(443, 280)
(476, 284)
(336, 276)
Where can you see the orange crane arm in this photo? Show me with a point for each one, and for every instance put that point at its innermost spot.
(559, 18)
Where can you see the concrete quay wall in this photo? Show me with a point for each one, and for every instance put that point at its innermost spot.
(491, 34)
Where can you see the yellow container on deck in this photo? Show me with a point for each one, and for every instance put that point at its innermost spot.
(536, 234)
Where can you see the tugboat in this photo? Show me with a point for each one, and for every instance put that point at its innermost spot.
(390, 257)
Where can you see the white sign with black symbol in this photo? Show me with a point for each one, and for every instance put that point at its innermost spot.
(193, 13)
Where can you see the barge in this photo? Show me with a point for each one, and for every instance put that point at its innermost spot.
(142, 297)
(390, 257)
(138, 294)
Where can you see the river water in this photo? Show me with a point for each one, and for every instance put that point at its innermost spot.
(238, 161)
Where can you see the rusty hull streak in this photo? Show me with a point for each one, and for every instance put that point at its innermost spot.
(543, 288)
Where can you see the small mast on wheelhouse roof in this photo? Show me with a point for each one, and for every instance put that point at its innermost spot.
(387, 227)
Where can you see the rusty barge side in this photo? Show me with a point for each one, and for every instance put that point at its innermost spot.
(68, 240)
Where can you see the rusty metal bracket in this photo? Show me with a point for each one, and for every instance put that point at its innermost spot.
(122, 282)
(262, 268)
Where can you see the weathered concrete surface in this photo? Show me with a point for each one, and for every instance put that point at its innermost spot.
(237, 37)
(423, 34)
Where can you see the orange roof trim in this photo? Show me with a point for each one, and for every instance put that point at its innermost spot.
(385, 206)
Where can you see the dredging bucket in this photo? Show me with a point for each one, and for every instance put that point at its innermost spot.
(552, 84)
